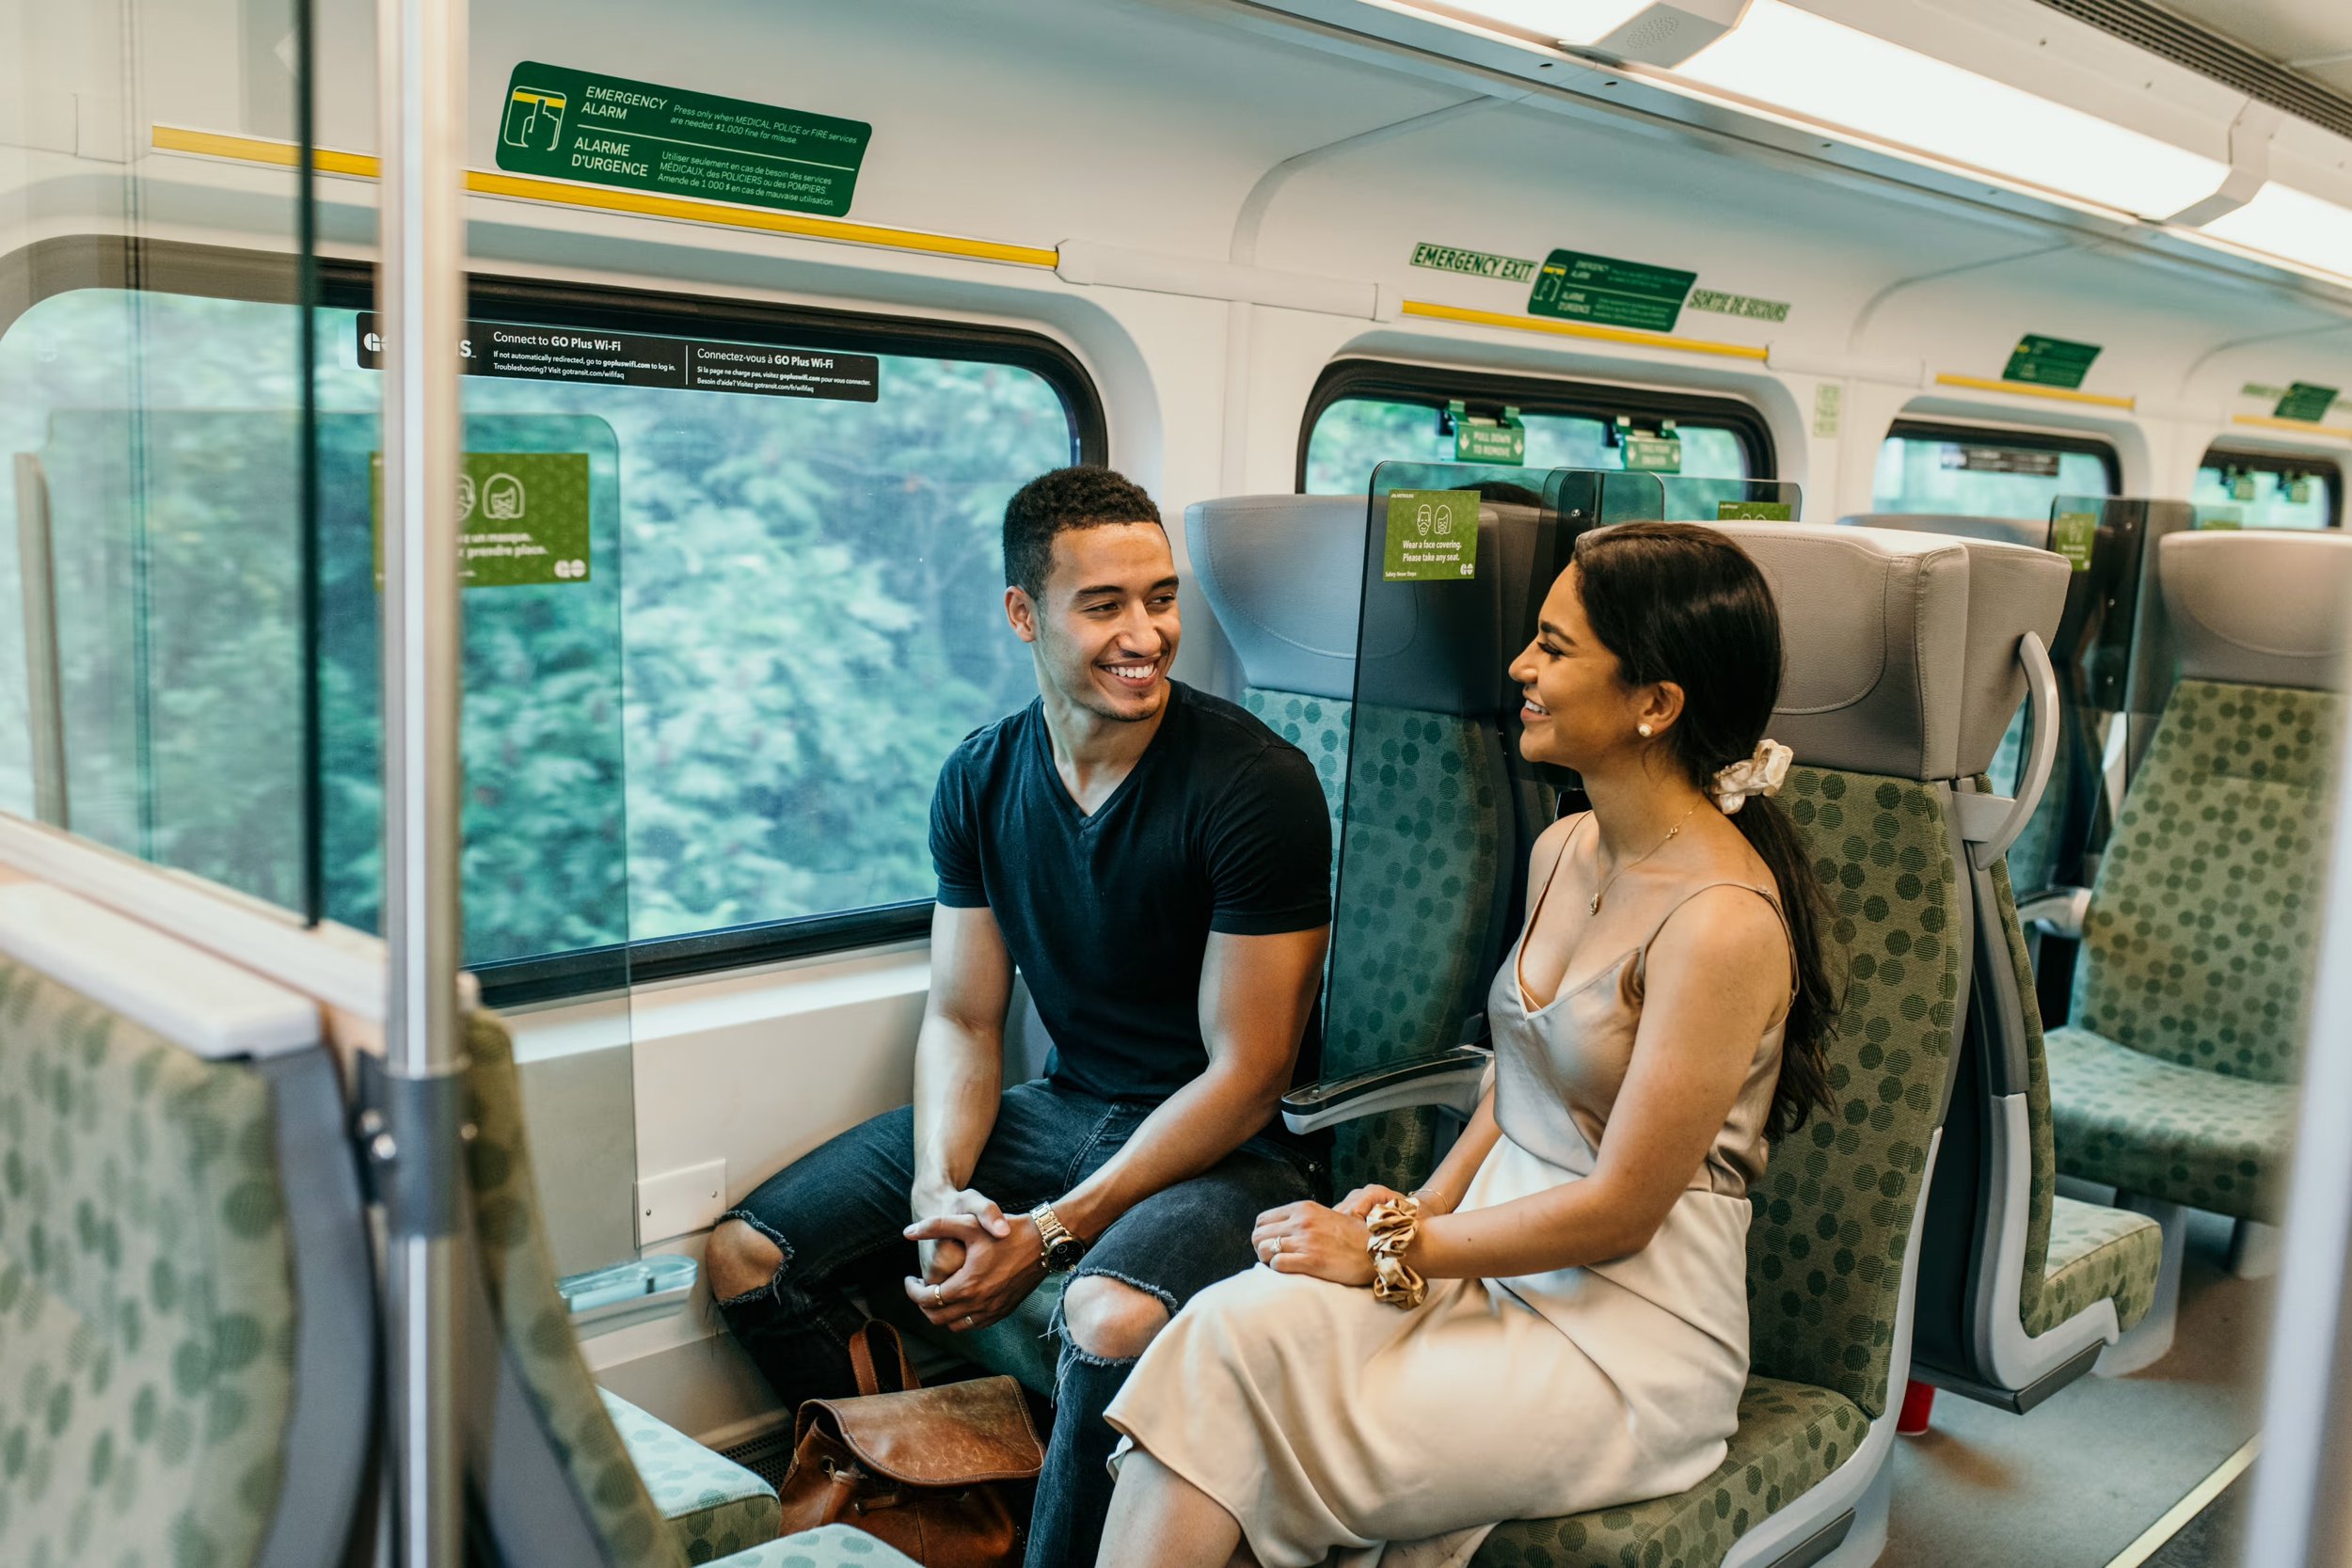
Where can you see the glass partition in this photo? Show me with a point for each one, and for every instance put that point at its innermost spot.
(153, 551)
(2267, 490)
(1438, 807)
(1688, 498)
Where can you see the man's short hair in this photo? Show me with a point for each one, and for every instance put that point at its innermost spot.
(1058, 502)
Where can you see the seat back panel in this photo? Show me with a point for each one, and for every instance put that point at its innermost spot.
(533, 1344)
(1833, 1213)
(2199, 943)
(147, 1304)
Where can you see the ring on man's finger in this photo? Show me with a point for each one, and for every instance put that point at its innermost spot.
(938, 1297)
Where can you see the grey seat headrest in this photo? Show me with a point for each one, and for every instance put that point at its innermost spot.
(2260, 608)
(1290, 578)
(1284, 575)
(1901, 646)
(2032, 533)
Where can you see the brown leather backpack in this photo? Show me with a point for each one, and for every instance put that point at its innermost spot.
(928, 1470)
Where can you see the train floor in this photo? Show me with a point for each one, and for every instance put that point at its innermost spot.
(2110, 1472)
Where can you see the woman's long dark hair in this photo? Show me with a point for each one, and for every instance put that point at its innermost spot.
(1676, 602)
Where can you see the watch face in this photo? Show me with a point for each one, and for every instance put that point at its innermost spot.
(1064, 1254)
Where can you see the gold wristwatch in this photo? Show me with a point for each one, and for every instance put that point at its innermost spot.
(1057, 1249)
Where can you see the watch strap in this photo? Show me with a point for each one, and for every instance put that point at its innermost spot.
(1051, 1232)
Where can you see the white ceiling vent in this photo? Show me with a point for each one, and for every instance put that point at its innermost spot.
(2184, 42)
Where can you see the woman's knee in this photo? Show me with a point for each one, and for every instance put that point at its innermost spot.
(1109, 1318)
(738, 1260)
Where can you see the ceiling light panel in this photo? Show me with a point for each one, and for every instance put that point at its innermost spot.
(2289, 223)
(1855, 81)
(1577, 22)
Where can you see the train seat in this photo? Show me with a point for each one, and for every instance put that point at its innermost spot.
(2174, 1081)
(186, 1290)
(714, 1506)
(565, 1474)
(1412, 769)
(1876, 701)
(2034, 858)
(2020, 1288)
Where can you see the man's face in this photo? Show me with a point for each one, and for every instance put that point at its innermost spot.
(1104, 628)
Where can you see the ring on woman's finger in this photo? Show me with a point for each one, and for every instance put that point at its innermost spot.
(1278, 1247)
(938, 1297)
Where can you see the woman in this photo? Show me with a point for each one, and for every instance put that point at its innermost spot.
(1583, 1341)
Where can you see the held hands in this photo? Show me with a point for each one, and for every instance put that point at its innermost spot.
(937, 1259)
(978, 1264)
(1310, 1239)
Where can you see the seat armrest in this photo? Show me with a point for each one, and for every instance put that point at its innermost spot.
(2059, 911)
(1453, 1080)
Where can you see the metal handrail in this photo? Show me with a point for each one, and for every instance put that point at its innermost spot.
(416, 1139)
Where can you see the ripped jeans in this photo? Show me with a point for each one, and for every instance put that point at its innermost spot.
(837, 1213)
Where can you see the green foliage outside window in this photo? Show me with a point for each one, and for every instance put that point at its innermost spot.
(1917, 474)
(2273, 503)
(793, 614)
(1355, 435)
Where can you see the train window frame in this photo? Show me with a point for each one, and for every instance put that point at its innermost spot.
(2328, 470)
(2110, 461)
(62, 264)
(1434, 385)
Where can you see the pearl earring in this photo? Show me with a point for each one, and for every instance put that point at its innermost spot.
(1641, 730)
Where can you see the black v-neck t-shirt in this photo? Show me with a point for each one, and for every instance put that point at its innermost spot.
(1219, 826)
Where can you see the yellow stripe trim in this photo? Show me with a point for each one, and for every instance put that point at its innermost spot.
(2026, 389)
(251, 150)
(1583, 329)
(560, 193)
(2297, 427)
(482, 182)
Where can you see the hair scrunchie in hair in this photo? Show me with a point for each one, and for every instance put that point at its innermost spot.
(1760, 774)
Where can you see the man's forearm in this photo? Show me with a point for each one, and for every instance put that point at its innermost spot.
(1193, 1129)
(958, 1071)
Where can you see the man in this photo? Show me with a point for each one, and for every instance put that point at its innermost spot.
(1156, 862)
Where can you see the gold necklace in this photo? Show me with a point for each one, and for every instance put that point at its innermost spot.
(1594, 907)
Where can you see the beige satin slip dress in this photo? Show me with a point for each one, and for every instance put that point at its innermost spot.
(1331, 1424)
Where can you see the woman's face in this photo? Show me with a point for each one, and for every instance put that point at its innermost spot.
(1575, 709)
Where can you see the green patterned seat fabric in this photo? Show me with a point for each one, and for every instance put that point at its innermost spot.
(2145, 1126)
(2176, 1080)
(147, 1305)
(826, 1546)
(534, 1329)
(715, 1506)
(1421, 849)
(2198, 948)
(1790, 1437)
(2097, 1254)
(1833, 1215)
(1317, 726)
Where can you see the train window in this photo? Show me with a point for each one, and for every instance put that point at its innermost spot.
(1988, 474)
(791, 611)
(1363, 414)
(2271, 491)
